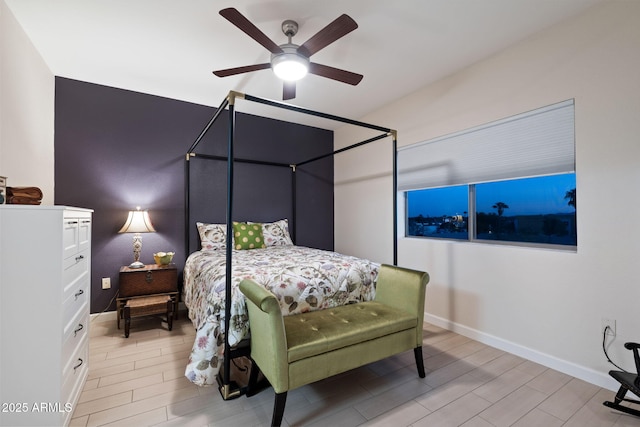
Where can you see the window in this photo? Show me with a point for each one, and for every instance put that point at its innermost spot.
(510, 181)
(438, 212)
(531, 210)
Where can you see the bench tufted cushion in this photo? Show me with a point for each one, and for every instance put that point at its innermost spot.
(321, 331)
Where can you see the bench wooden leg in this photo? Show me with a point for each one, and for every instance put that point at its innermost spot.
(417, 352)
(118, 313)
(278, 409)
(127, 321)
(170, 313)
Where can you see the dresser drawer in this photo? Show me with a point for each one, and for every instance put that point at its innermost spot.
(70, 230)
(76, 235)
(75, 274)
(77, 296)
(75, 332)
(84, 234)
(74, 372)
(149, 280)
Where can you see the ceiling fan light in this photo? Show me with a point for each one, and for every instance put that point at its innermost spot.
(290, 66)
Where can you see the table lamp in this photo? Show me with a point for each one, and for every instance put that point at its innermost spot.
(137, 222)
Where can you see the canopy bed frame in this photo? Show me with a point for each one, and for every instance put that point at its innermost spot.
(228, 388)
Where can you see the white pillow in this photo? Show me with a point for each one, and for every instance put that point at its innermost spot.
(277, 233)
(212, 236)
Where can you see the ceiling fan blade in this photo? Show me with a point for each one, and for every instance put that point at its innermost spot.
(288, 90)
(238, 19)
(335, 73)
(340, 27)
(239, 70)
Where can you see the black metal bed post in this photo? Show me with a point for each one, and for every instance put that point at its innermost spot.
(294, 203)
(394, 135)
(226, 386)
(187, 204)
(190, 153)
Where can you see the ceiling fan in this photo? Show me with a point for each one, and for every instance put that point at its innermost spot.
(290, 61)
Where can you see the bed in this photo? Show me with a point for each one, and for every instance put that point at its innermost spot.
(303, 279)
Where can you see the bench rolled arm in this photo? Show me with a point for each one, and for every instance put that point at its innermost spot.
(260, 297)
(405, 289)
(268, 338)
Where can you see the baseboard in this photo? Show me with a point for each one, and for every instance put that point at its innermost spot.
(105, 316)
(586, 374)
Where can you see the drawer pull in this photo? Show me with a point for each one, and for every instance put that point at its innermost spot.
(78, 329)
(79, 258)
(80, 362)
(72, 222)
(77, 294)
(149, 277)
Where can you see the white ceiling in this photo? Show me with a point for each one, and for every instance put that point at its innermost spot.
(169, 47)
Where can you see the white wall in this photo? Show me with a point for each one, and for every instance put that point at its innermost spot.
(27, 89)
(545, 305)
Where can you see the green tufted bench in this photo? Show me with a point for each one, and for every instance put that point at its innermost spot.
(292, 351)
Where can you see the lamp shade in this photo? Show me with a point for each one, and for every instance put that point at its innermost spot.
(137, 222)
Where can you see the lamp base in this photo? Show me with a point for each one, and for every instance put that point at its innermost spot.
(136, 264)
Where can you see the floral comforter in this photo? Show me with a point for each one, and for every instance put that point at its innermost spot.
(303, 279)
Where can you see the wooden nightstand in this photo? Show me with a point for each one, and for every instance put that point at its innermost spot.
(151, 280)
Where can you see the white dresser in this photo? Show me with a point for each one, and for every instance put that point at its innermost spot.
(45, 285)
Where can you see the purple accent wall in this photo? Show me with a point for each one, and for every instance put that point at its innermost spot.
(118, 149)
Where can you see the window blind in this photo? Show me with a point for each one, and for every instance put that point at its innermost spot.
(538, 142)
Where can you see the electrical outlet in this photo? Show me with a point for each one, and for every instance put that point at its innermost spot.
(106, 283)
(611, 324)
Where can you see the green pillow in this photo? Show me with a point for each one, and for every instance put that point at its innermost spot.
(248, 236)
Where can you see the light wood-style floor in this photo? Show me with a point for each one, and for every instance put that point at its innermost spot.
(140, 381)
